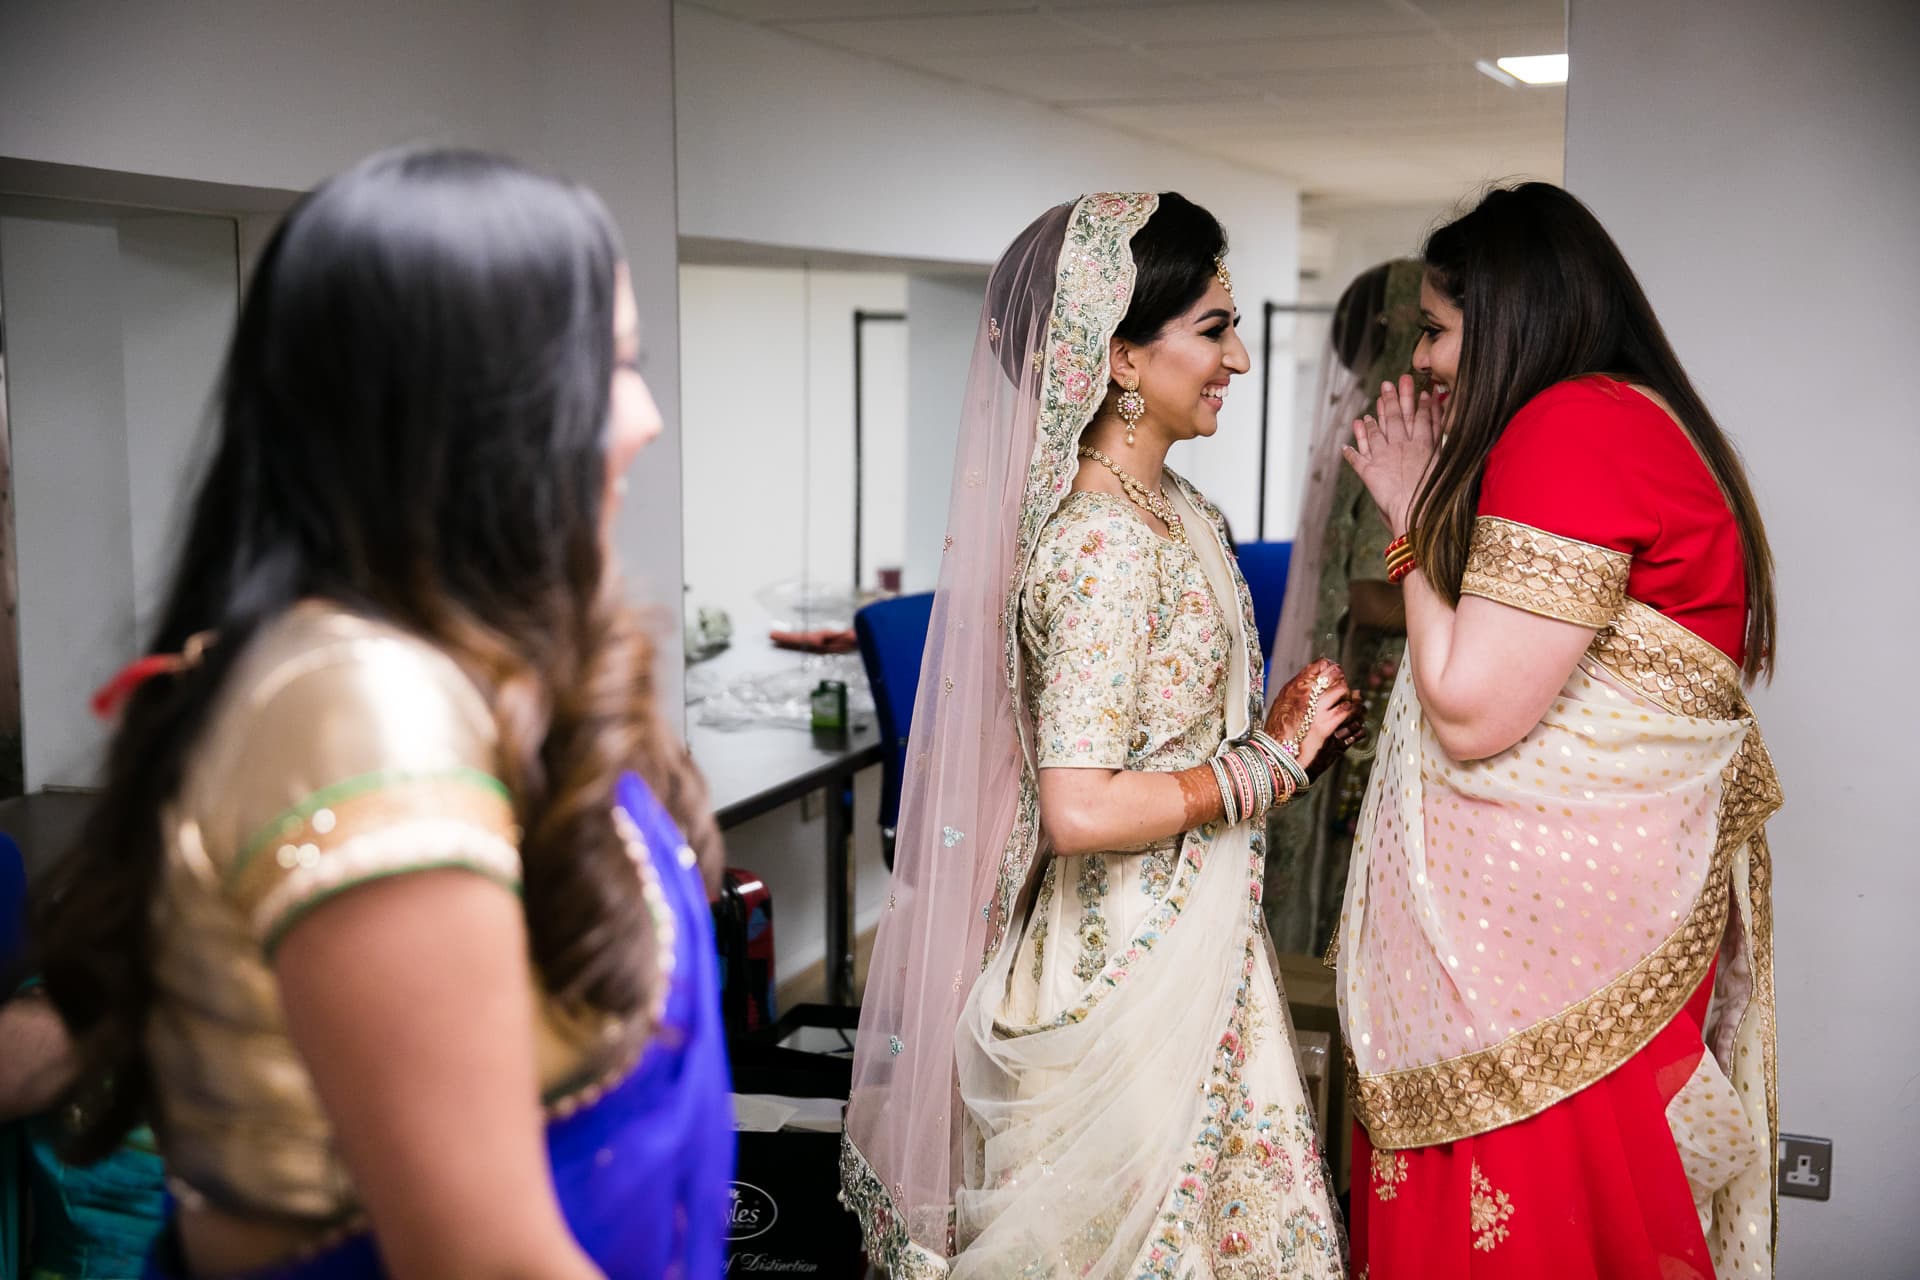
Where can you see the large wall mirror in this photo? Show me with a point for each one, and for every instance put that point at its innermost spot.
(849, 169)
(115, 321)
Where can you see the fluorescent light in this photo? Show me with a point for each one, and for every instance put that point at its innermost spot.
(1492, 72)
(1545, 68)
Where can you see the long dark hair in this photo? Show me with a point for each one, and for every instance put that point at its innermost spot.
(1545, 295)
(412, 424)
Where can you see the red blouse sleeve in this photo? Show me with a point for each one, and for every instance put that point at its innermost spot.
(1566, 466)
(1563, 510)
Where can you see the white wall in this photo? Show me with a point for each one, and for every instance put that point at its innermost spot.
(783, 142)
(743, 373)
(1757, 164)
(273, 94)
(179, 294)
(831, 299)
(72, 521)
(946, 321)
(767, 359)
(601, 111)
(278, 94)
(117, 323)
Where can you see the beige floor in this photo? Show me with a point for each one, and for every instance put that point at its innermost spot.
(809, 986)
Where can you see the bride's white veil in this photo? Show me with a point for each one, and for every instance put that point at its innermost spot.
(968, 823)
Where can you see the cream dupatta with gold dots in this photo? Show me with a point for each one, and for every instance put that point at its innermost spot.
(1517, 927)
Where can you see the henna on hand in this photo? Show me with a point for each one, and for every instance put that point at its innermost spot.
(1200, 796)
(1290, 708)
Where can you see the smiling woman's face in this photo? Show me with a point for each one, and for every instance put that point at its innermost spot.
(1438, 354)
(1185, 371)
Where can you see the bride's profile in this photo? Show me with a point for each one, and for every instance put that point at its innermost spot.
(1074, 1055)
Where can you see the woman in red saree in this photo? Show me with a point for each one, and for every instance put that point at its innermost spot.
(1556, 944)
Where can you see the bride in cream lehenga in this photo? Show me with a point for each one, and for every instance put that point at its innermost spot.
(1074, 1056)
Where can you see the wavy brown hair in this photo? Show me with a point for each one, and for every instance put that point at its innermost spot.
(412, 425)
(1545, 295)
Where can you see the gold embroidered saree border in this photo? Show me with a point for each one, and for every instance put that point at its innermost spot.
(1685, 674)
(1543, 573)
(1760, 887)
(1531, 1070)
(1689, 675)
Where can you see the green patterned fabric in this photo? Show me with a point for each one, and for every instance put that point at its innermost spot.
(1308, 843)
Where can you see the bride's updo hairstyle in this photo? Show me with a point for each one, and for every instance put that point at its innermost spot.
(1175, 257)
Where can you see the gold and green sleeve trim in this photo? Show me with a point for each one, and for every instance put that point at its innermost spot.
(376, 825)
(1543, 573)
(318, 815)
(272, 927)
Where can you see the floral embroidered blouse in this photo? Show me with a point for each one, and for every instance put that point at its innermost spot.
(1127, 654)
(1127, 668)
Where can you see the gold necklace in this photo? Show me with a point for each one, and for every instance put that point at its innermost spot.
(1146, 499)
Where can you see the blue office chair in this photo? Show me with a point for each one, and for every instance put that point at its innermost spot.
(13, 906)
(1264, 565)
(893, 639)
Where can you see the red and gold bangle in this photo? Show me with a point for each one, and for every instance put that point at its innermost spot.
(1400, 558)
(1399, 550)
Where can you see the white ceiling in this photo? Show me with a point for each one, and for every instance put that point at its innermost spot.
(1360, 101)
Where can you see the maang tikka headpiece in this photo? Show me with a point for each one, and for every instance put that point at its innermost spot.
(1222, 274)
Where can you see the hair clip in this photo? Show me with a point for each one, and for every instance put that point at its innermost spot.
(117, 692)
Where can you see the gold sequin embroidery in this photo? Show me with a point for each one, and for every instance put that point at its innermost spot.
(1676, 668)
(1527, 568)
(1491, 1209)
(1533, 1068)
(1389, 1171)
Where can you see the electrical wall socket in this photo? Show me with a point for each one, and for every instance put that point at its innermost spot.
(1806, 1166)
